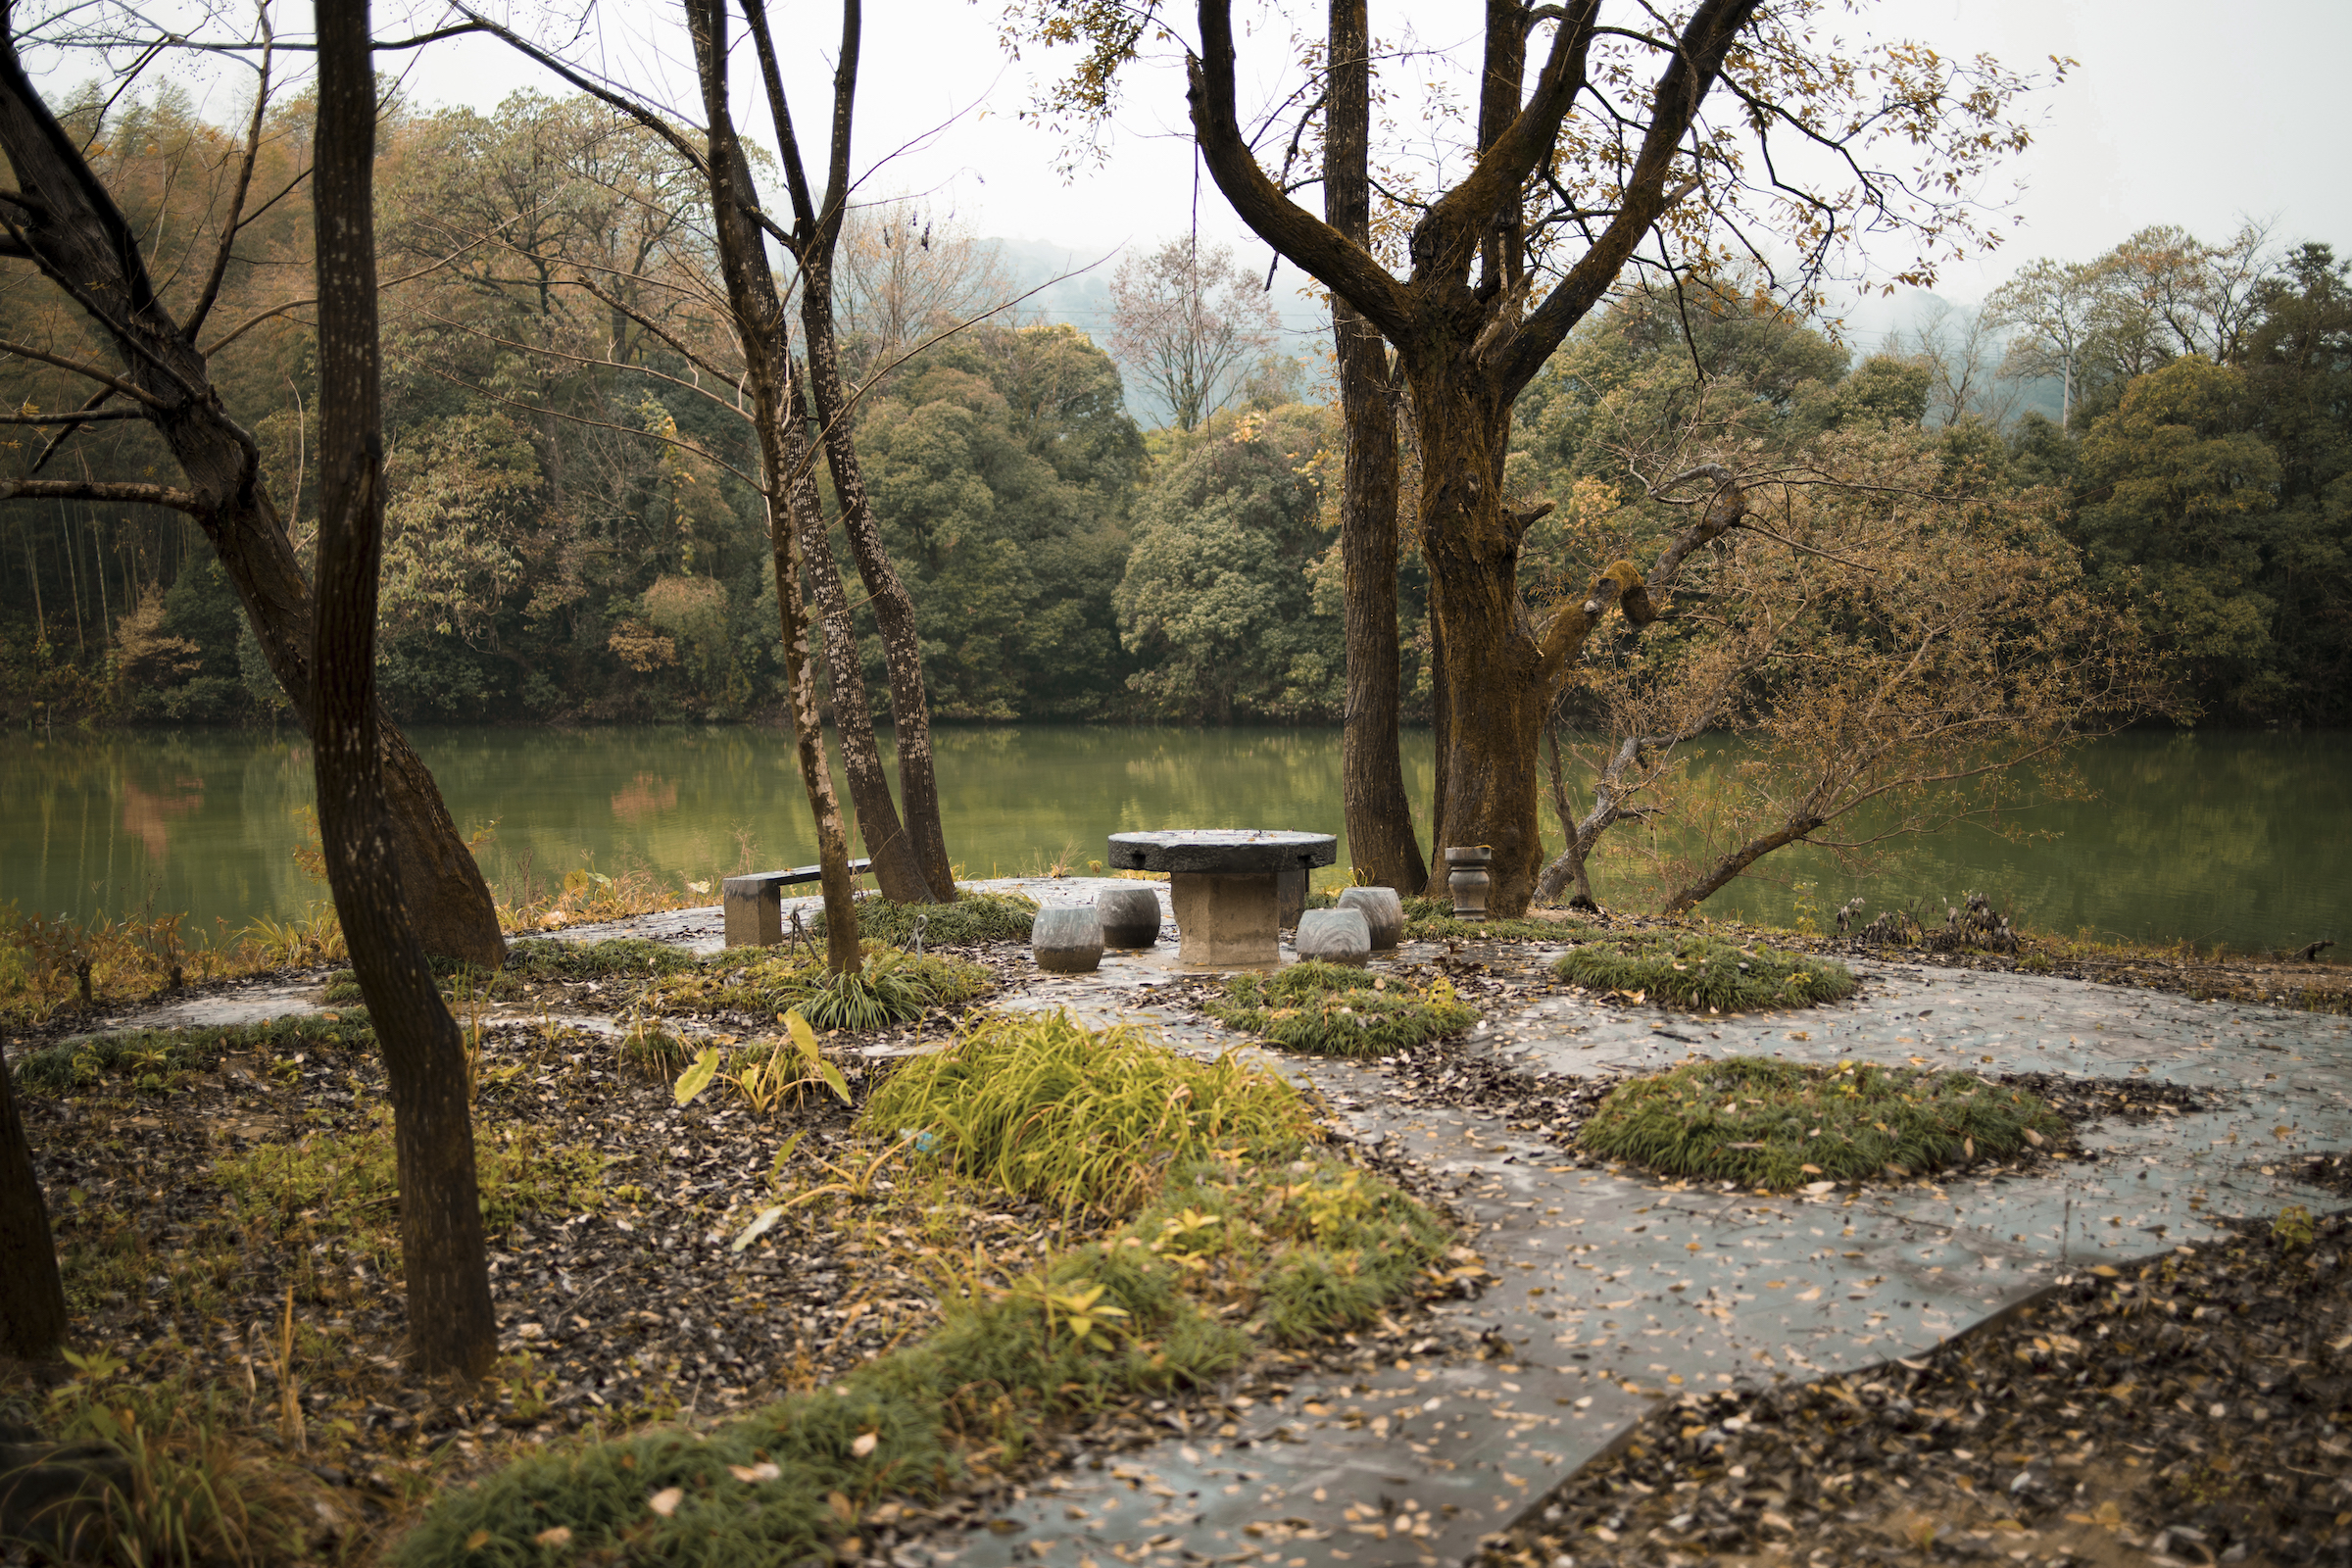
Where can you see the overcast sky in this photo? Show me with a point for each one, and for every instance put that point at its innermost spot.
(2194, 115)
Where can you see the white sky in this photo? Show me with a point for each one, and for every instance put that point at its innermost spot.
(2177, 113)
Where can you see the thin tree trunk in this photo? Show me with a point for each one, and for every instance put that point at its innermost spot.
(1381, 840)
(893, 605)
(898, 869)
(819, 230)
(32, 1298)
(760, 324)
(82, 243)
(451, 1330)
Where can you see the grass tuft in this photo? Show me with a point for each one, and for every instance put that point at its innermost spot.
(1242, 1213)
(1689, 969)
(891, 987)
(1778, 1125)
(974, 917)
(1042, 1107)
(1331, 1010)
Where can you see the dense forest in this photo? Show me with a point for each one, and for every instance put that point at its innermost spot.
(571, 535)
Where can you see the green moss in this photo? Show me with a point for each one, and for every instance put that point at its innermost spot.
(1040, 1106)
(1774, 1124)
(153, 1059)
(1334, 1010)
(1689, 969)
(974, 917)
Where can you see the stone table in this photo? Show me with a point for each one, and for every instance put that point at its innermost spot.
(1226, 885)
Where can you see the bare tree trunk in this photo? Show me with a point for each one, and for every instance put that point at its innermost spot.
(760, 324)
(817, 230)
(79, 239)
(898, 868)
(32, 1298)
(1713, 879)
(1380, 839)
(451, 1330)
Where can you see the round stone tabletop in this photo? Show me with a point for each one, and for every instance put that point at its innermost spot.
(1222, 852)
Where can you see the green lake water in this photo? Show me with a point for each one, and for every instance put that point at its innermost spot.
(2215, 837)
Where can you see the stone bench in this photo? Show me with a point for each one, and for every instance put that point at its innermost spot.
(1231, 887)
(755, 902)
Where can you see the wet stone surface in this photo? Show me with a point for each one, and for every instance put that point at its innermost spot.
(1609, 1291)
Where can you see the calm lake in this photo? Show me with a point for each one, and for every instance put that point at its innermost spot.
(2236, 838)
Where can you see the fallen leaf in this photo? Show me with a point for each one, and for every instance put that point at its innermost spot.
(665, 1501)
(554, 1535)
(477, 1540)
(863, 1443)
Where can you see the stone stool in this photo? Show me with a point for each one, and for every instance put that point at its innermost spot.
(1335, 936)
(1383, 910)
(1130, 916)
(1066, 939)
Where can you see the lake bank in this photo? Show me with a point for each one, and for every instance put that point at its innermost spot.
(2233, 839)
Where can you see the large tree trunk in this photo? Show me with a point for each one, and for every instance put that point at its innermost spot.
(898, 868)
(32, 1298)
(451, 1330)
(760, 322)
(79, 239)
(1497, 689)
(1380, 841)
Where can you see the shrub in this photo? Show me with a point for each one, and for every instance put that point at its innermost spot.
(1774, 1124)
(1334, 1010)
(1692, 970)
(1038, 1106)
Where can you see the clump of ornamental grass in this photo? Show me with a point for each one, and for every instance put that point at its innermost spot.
(972, 918)
(1428, 919)
(1331, 1010)
(154, 1060)
(1691, 969)
(1244, 1222)
(1040, 1106)
(888, 986)
(197, 1489)
(1778, 1125)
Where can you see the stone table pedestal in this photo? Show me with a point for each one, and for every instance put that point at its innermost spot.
(1226, 885)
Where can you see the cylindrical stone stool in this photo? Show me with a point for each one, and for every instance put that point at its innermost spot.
(1468, 879)
(1335, 936)
(1383, 912)
(1130, 916)
(1066, 939)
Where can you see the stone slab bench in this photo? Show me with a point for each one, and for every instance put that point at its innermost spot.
(755, 902)
(1231, 887)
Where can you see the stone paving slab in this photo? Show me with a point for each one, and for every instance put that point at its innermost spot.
(1615, 1291)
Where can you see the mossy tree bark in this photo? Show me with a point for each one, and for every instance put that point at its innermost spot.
(758, 315)
(443, 1261)
(65, 221)
(1467, 348)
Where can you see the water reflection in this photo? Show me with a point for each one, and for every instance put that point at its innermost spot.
(2235, 838)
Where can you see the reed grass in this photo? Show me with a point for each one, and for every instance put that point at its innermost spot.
(1042, 1107)
(1777, 1125)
